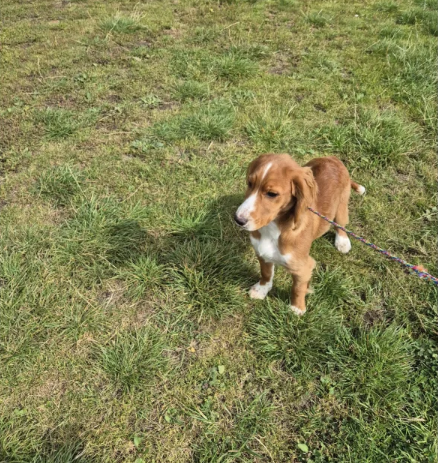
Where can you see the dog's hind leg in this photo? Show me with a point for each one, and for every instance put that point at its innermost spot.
(342, 242)
(301, 274)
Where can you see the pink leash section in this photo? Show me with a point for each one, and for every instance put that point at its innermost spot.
(413, 269)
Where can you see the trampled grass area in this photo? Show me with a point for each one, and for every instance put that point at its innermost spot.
(126, 332)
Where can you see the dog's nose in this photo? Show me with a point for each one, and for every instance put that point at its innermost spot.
(239, 220)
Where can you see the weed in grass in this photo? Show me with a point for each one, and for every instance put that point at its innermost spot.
(145, 145)
(241, 95)
(134, 359)
(151, 101)
(317, 19)
(250, 422)
(142, 51)
(426, 358)
(121, 24)
(337, 432)
(211, 257)
(191, 90)
(16, 275)
(60, 184)
(17, 446)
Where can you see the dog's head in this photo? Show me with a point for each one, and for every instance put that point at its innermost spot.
(276, 185)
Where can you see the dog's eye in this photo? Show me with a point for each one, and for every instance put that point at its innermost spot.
(271, 194)
(249, 184)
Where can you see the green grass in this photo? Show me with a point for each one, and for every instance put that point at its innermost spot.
(59, 184)
(61, 123)
(371, 139)
(126, 332)
(122, 24)
(317, 19)
(133, 359)
(190, 89)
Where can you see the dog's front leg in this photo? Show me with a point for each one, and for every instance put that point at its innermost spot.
(301, 274)
(261, 289)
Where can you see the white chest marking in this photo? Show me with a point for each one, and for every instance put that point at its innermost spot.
(267, 246)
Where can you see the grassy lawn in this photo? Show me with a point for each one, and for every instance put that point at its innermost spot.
(126, 332)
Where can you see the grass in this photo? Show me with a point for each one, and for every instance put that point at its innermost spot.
(62, 123)
(59, 184)
(126, 334)
(317, 19)
(206, 122)
(122, 24)
(373, 140)
(133, 359)
(191, 89)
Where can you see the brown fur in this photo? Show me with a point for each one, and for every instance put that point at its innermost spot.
(323, 183)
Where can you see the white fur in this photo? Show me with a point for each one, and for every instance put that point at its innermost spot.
(247, 207)
(268, 166)
(259, 291)
(342, 244)
(361, 190)
(296, 310)
(267, 246)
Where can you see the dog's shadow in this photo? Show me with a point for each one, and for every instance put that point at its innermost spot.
(206, 239)
(203, 250)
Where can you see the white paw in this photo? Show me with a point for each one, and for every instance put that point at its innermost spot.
(361, 190)
(259, 291)
(297, 311)
(342, 244)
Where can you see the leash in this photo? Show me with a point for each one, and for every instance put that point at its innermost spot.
(414, 269)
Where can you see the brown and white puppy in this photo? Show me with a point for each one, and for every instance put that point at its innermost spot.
(281, 227)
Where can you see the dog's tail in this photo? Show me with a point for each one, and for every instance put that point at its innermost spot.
(358, 188)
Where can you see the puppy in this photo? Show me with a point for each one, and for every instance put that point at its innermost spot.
(282, 229)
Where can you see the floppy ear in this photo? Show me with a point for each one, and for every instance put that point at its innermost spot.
(251, 166)
(304, 189)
